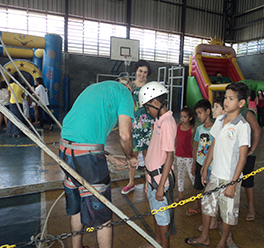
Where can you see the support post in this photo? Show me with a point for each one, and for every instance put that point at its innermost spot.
(182, 31)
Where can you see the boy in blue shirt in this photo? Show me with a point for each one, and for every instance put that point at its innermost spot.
(202, 141)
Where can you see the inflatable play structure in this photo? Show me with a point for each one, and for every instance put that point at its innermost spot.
(212, 66)
(45, 53)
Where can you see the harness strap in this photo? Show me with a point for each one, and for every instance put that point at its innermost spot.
(168, 194)
(93, 148)
(100, 187)
(73, 158)
(68, 145)
(75, 163)
(162, 105)
(156, 172)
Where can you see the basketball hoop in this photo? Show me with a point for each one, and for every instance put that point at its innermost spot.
(127, 60)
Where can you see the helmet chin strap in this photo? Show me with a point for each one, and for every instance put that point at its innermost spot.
(149, 105)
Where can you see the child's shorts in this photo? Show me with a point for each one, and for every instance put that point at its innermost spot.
(249, 167)
(229, 207)
(197, 181)
(162, 218)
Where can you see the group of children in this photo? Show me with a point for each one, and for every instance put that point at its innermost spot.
(214, 155)
(9, 100)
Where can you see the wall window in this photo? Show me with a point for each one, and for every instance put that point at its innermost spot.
(91, 30)
(75, 36)
(91, 37)
(249, 48)
(157, 46)
(189, 45)
(30, 23)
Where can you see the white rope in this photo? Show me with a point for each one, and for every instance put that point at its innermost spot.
(45, 225)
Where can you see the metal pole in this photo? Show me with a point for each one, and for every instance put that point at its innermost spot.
(182, 93)
(171, 88)
(73, 173)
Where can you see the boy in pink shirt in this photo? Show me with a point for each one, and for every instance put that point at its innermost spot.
(159, 159)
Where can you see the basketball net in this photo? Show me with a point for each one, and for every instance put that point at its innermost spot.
(127, 60)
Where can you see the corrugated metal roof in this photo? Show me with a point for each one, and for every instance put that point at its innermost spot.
(249, 20)
(156, 15)
(203, 18)
(245, 5)
(207, 5)
(108, 10)
(203, 24)
(52, 6)
(200, 17)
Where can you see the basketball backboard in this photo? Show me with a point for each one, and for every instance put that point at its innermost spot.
(121, 47)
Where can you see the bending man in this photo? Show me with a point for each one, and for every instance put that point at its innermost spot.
(84, 132)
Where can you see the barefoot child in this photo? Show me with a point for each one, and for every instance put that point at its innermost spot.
(184, 141)
(159, 159)
(229, 151)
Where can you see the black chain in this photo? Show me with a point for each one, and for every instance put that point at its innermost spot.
(222, 186)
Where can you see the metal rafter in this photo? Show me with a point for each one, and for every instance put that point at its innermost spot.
(229, 11)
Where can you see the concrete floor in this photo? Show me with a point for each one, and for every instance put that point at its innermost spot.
(30, 182)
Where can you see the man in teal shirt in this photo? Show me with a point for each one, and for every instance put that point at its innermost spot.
(84, 132)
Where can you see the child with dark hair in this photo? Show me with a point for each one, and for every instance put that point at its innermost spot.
(220, 78)
(42, 92)
(260, 108)
(16, 95)
(159, 160)
(252, 101)
(201, 144)
(248, 184)
(229, 152)
(218, 109)
(184, 142)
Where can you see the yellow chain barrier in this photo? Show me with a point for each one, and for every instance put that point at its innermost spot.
(173, 205)
(89, 229)
(199, 196)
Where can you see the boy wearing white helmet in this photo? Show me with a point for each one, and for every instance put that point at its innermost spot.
(159, 159)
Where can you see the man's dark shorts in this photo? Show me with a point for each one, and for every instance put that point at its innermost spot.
(249, 167)
(197, 181)
(93, 168)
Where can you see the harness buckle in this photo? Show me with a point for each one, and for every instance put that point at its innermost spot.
(159, 170)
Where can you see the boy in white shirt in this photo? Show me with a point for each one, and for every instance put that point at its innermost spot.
(229, 150)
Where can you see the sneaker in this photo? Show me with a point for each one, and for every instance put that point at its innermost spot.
(126, 189)
(40, 129)
(51, 127)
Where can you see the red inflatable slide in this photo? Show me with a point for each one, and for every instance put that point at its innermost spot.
(207, 60)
